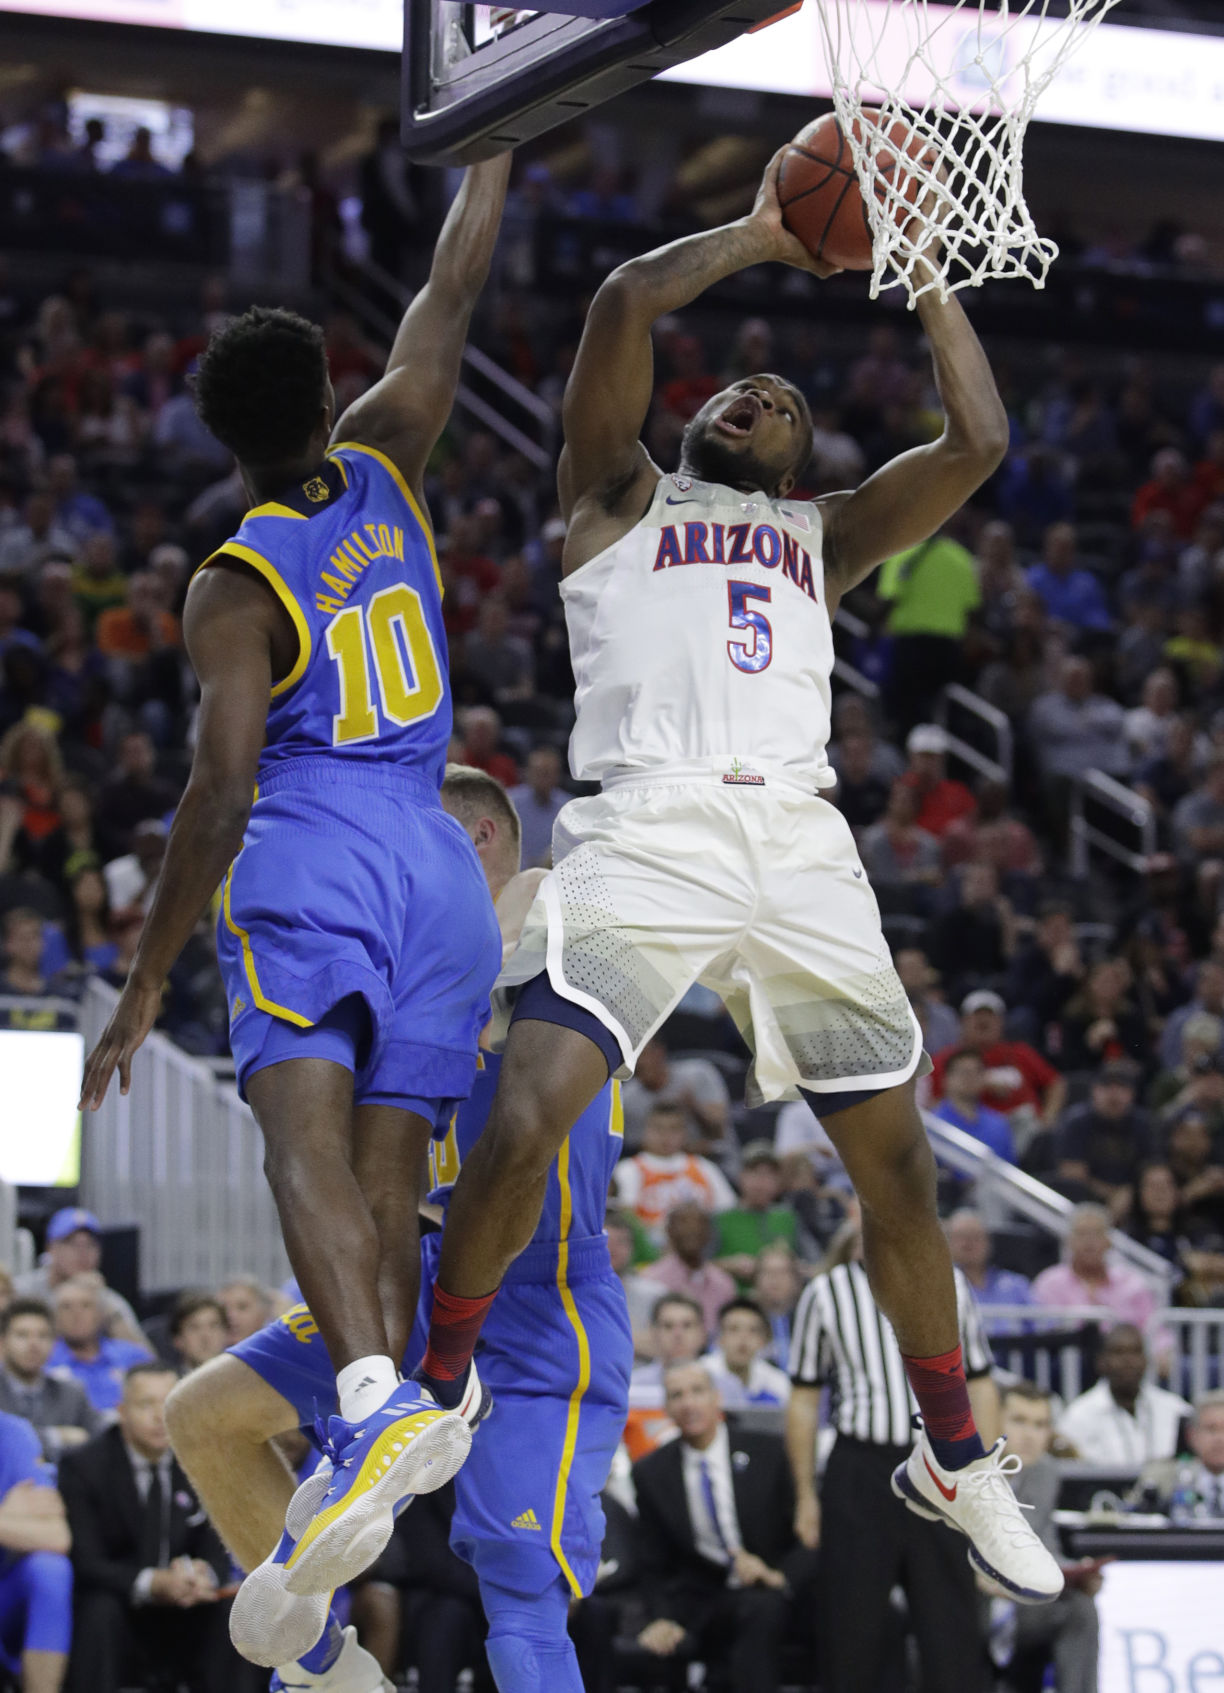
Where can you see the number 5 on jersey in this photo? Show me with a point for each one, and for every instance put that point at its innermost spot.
(392, 628)
(751, 656)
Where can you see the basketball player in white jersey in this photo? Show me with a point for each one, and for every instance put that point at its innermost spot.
(699, 609)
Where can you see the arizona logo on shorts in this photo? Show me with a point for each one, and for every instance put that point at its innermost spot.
(738, 776)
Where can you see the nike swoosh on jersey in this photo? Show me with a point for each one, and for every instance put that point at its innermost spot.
(949, 1493)
(674, 502)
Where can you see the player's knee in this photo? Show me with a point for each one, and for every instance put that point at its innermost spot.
(898, 1182)
(523, 1134)
(209, 1405)
(528, 1645)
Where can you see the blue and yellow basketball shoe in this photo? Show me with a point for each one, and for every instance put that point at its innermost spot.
(409, 1445)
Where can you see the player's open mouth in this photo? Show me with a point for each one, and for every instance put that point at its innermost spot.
(740, 416)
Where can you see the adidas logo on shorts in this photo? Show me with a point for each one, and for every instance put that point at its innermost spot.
(527, 1519)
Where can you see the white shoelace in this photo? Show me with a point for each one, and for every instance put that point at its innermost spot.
(991, 1487)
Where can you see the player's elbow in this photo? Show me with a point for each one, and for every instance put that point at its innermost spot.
(624, 296)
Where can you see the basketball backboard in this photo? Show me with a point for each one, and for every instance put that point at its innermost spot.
(478, 79)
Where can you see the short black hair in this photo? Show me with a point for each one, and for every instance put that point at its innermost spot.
(742, 1303)
(261, 384)
(26, 1308)
(685, 1299)
(189, 1304)
(147, 1367)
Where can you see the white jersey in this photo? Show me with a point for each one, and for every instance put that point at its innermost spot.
(702, 637)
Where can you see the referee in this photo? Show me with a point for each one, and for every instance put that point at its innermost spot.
(873, 1542)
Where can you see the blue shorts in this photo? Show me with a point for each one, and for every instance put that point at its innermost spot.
(352, 880)
(527, 1501)
(35, 1605)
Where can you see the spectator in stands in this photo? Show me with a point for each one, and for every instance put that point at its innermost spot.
(852, 716)
(739, 1362)
(642, 1291)
(248, 1305)
(1149, 724)
(1198, 1170)
(971, 1248)
(941, 799)
(1202, 1038)
(198, 1330)
(1171, 489)
(1154, 1216)
(1125, 1420)
(663, 1174)
(1088, 1277)
(895, 851)
(940, 1025)
(97, 582)
(995, 837)
(1204, 1436)
(1069, 595)
(931, 592)
(133, 794)
(139, 162)
(1074, 730)
(142, 626)
(1046, 970)
(1018, 1079)
(481, 729)
(131, 879)
(776, 1288)
(87, 943)
(685, 1266)
(84, 1350)
(973, 940)
(23, 949)
(74, 1248)
(148, 1565)
(39, 536)
(717, 1546)
(1064, 1633)
(501, 662)
(538, 799)
(33, 773)
(677, 1335)
(964, 1082)
(1208, 999)
(1100, 1145)
(696, 1085)
(77, 511)
(862, 793)
(35, 1574)
(759, 1220)
(56, 1408)
(1198, 818)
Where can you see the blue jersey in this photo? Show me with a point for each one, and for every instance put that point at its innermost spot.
(350, 557)
(577, 1200)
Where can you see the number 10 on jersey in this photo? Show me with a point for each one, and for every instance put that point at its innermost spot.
(392, 629)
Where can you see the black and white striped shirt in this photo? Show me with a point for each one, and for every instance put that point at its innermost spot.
(840, 1337)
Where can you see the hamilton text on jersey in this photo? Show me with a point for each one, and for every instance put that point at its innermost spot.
(359, 549)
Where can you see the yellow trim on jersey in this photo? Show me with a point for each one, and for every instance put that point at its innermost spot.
(584, 1368)
(248, 960)
(274, 509)
(616, 1119)
(280, 588)
(397, 475)
(340, 466)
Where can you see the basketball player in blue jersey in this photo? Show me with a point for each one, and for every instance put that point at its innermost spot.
(356, 937)
(557, 1352)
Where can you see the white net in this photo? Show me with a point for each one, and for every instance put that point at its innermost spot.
(953, 86)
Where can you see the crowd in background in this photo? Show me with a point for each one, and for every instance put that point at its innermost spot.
(1076, 1026)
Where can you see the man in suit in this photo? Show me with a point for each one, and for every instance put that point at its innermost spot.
(148, 1565)
(720, 1563)
(57, 1408)
(1065, 1631)
(1203, 1474)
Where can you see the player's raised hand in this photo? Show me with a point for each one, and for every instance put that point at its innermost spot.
(133, 1017)
(777, 242)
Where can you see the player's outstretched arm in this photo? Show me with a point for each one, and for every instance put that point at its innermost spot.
(406, 411)
(608, 395)
(912, 496)
(228, 625)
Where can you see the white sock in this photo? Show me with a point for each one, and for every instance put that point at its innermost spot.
(365, 1385)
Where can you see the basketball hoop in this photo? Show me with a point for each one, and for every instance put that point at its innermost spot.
(965, 77)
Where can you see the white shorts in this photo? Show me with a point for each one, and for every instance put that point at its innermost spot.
(757, 893)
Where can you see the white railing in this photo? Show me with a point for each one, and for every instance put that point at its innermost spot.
(954, 698)
(1129, 808)
(1046, 1343)
(1004, 1185)
(182, 1158)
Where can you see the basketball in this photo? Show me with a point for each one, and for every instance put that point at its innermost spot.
(818, 188)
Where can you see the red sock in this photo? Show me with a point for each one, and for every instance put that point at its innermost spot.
(454, 1330)
(943, 1398)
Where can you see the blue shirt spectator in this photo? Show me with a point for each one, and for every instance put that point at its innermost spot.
(1070, 595)
(970, 1245)
(85, 1350)
(963, 1082)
